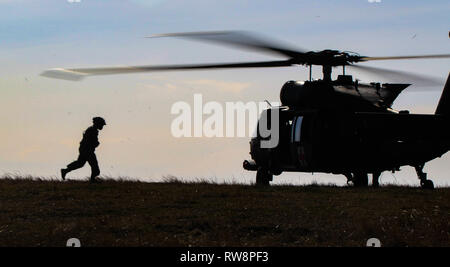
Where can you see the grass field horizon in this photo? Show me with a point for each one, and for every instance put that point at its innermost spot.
(207, 180)
(40, 212)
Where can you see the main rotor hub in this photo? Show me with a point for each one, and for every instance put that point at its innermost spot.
(328, 58)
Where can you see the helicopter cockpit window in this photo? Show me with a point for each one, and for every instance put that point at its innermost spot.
(296, 129)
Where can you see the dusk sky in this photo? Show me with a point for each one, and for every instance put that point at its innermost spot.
(42, 119)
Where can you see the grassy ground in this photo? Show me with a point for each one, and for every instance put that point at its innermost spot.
(47, 213)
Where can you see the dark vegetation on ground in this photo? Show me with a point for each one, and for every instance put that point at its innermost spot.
(120, 213)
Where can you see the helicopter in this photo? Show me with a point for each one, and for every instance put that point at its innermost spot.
(340, 126)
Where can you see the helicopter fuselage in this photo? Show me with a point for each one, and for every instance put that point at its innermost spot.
(343, 142)
(347, 128)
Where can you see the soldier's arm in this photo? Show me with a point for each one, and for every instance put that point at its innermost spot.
(91, 137)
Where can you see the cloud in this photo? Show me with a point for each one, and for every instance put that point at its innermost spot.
(233, 87)
(148, 3)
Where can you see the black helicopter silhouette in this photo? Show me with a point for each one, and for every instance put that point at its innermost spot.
(333, 126)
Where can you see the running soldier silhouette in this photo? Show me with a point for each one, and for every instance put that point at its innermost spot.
(87, 150)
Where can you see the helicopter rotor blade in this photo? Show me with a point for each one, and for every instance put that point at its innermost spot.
(79, 73)
(251, 41)
(401, 77)
(405, 57)
(240, 39)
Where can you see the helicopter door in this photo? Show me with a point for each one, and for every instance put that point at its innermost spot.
(296, 141)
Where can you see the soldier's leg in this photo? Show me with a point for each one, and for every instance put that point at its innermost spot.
(74, 165)
(95, 170)
(79, 163)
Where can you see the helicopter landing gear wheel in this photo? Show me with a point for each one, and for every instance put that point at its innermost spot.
(263, 177)
(424, 182)
(360, 179)
(375, 179)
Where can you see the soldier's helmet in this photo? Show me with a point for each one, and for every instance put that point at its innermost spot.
(99, 121)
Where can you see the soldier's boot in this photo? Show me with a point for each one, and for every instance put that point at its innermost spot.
(95, 181)
(63, 173)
